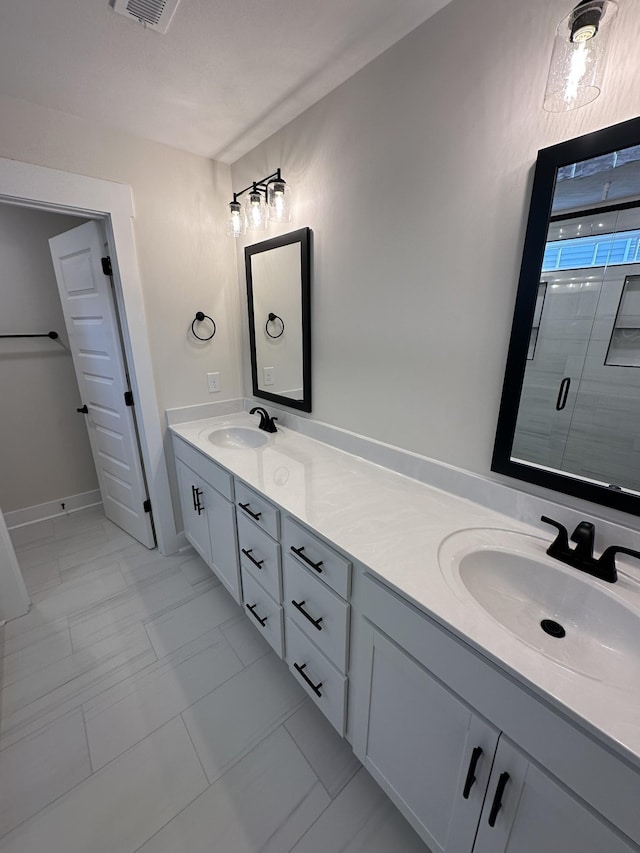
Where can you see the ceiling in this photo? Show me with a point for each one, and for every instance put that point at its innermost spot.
(224, 77)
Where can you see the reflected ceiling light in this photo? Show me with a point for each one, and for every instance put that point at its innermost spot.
(578, 59)
(267, 200)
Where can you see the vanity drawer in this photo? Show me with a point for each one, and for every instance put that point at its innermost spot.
(258, 509)
(263, 612)
(260, 556)
(322, 681)
(316, 555)
(214, 474)
(319, 613)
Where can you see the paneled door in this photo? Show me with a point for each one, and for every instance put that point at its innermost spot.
(94, 339)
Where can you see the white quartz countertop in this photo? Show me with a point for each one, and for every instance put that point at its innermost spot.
(396, 526)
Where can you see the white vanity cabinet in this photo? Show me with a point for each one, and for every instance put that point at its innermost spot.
(317, 580)
(462, 783)
(424, 746)
(192, 490)
(208, 513)
(527, 811)
(258, 529)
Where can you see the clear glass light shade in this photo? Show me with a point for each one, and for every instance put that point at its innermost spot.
(578, 59)
(255, 209)
(235, 222)
(279, 201)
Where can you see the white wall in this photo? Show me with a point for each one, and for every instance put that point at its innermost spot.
(186, 261)
(415, 178)
(44, 446)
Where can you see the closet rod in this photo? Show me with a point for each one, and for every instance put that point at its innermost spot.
(52, 335)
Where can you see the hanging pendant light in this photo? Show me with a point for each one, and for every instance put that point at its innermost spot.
(279, 200)
(235, 222)
(579, 52)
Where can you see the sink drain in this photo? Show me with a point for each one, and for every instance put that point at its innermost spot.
(554, 629)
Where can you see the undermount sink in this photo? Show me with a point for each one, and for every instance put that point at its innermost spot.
(563, 613)
(238, 436)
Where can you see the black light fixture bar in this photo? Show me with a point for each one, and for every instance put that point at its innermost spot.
(259, 186)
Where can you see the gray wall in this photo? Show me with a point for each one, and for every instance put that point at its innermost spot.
(415, 178)
(44, 446)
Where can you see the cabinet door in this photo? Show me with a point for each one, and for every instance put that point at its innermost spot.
(531, 812)
(221, 515)
(424, 746)
(193, 502)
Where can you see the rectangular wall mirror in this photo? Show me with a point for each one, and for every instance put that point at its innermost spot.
(570, 412)
(279, 304)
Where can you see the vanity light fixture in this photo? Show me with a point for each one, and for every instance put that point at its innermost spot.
(579, 52)
(267, 200)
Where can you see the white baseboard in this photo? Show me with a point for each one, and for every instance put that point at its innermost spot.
(52, 509)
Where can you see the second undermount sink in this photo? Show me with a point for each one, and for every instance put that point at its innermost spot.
(563, 613)
(238, 436)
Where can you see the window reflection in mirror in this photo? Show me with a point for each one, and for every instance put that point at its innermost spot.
(577, 410)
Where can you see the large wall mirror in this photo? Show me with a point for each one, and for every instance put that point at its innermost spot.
(279, 303)
(570, 412)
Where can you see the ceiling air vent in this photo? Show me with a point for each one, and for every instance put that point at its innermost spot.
(154, 14)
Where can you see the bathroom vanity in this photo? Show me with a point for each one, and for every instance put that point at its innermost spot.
(394, 607)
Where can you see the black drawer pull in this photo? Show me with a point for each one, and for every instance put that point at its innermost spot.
(256, 563)
(497, 799)
(193, 495)
(246, 506)
(252, 610)
(199, 506)
(309, 562)
(471, 772)
(314, 622)
(305, 677)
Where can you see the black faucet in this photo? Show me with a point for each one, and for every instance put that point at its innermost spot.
(581, 557)
(267, 423)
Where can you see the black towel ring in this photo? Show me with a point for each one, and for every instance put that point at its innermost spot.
(200, 316)
(270, 319)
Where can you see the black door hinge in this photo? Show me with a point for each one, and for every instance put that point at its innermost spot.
(107, 269)
(128, 398)
(147, 505)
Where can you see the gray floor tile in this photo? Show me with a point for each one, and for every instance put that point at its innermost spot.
(195, 569)
(121, 716)
(248, 643)
(41, 576)
(361, 815)
(120, 806)
(187, 621)
(38, 769)
(261, 804)
(37, 655)
(28, 534)
(229, 722)
(135, 603)
(330, 755)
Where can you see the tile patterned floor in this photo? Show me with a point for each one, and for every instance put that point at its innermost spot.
(141, 711)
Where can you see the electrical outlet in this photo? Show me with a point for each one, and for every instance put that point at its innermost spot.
(213, 381)
(268, 375)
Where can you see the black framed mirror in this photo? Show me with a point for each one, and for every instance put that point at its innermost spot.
(570, 410)
(279, 306)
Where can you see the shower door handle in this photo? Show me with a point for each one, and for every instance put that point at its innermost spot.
(563, 393)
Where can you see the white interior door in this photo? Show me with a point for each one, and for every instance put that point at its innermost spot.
(94, 338)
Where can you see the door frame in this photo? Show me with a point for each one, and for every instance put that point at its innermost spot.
(27, 185)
